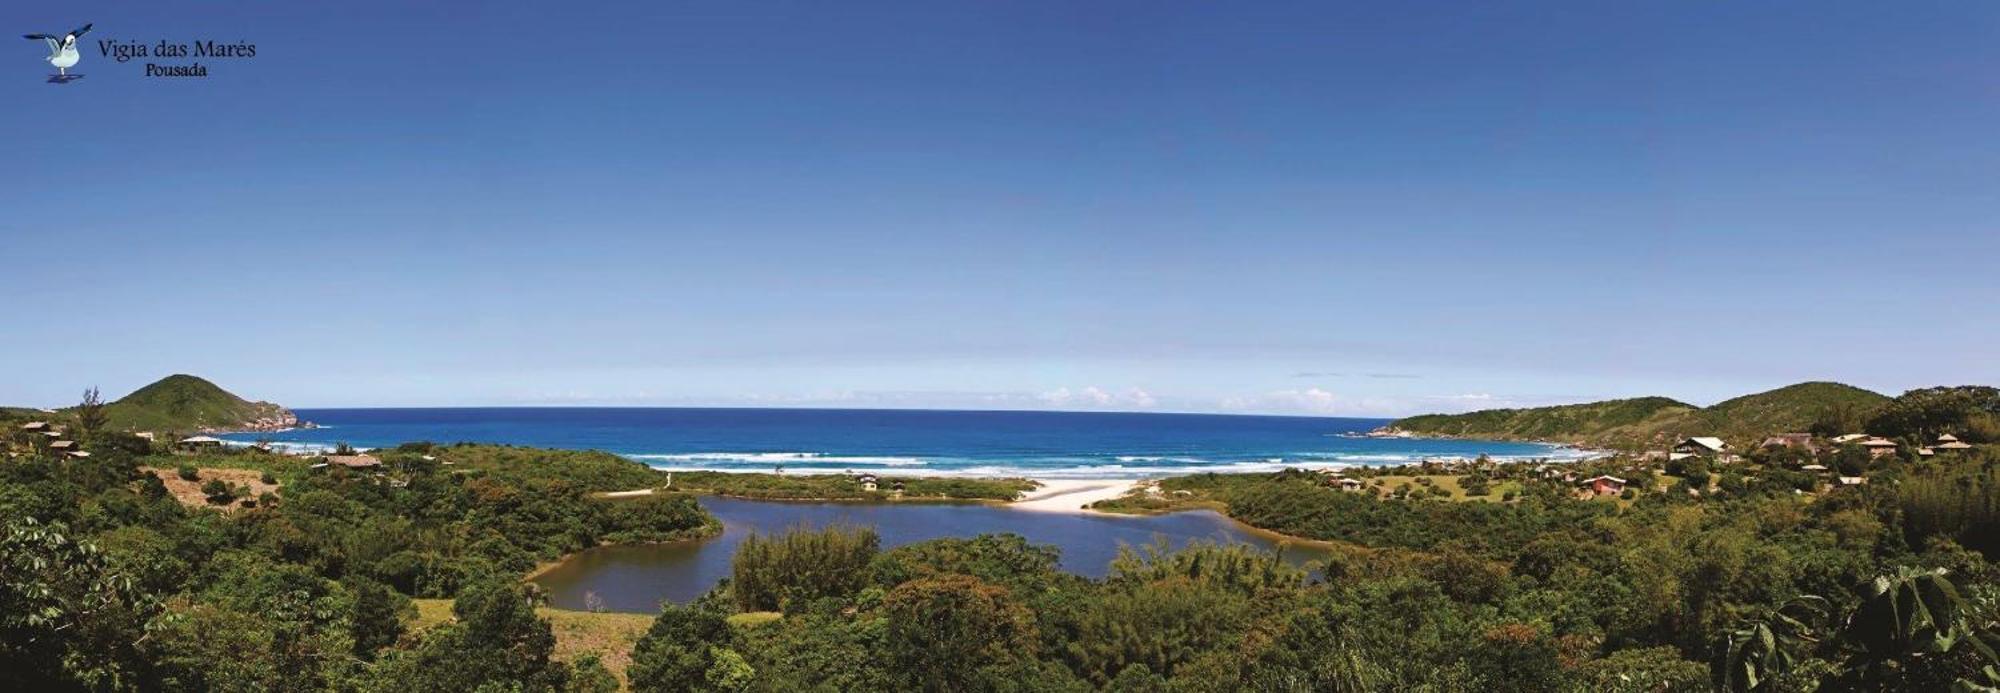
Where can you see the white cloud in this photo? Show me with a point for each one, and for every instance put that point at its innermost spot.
(1093, 397)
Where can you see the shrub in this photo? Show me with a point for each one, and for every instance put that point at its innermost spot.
(218, 491)
(802, 565)
(187, 473)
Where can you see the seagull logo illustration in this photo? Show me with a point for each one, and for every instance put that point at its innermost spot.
(62, 52)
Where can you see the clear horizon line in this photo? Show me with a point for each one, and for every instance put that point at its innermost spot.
(898, 409)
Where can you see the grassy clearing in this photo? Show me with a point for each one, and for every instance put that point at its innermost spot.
(610, 636)
(189, 492)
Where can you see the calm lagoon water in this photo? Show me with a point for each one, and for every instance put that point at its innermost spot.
(638, 578)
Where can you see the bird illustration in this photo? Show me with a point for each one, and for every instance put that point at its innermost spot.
(62, 51)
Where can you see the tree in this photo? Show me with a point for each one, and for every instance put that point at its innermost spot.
(688, 648)
(497, 641)
(1518, 657)
(801, 565)
(68, 620)
(90, 414)
(1754, 655)
(1908, 619)
(943, 630)
(376, 621)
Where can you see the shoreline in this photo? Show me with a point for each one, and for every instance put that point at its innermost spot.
(1072, 495)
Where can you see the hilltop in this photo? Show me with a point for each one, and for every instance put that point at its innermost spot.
(1634, 422)
(1594, 423)
(188, 403)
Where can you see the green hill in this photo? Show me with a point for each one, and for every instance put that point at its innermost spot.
(1786, 409)
(188, 403)
(1590, 423)
(1654, 420)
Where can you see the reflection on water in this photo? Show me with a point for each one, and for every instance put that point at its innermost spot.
(638, 578)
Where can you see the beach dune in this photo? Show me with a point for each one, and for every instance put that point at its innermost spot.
(1070, 495)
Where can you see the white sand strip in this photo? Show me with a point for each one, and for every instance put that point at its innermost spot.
(1070, 495)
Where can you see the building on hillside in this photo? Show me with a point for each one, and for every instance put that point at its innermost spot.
(1853, 480)
(1345, 483)
(1846, 438)
(199, 443)
(36, 426)
(1604, 485)
(78, 454)
(1789, 440)
(1879, 447)
(1702, 446)
(868, 482)
(1948, 444)
(1814, 468)
(62, 446)
(354, 461)
(896, 487)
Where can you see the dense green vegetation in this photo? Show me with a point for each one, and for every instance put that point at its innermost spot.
(1657, 421)
(1756, 589)
(186, 403)
(107, 582)
(1595, 422)
(1749, 576)
(844, 487)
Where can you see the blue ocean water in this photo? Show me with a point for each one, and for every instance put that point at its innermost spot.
(916, 442)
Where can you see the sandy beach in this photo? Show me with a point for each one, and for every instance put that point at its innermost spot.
(1070, 495)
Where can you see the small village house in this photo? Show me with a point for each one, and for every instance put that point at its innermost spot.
(1789, 440)
(1702, 446)
(199, 443)
(36, 426)
(354, 461)
(1948, 444)
(1604, 485)
(1879, 447)
(868, 482)
(1846, 438)
(1345, 483)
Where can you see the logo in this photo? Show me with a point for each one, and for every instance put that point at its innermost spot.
(63, 54)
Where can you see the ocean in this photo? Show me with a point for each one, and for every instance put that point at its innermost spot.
(909, 442)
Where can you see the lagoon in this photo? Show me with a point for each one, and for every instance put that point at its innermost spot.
(638, 578)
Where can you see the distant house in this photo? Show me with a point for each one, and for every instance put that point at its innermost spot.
(1814, 468)
(1853, 480)
(1705, 446)
(1789, 440)
(37, 426)
(1604, 485)
(197, 443)
(1948, 444)
(896, 487)
(354, 461)
(1846, 438)
(867, 482)
(1345, 483)
(62, 446)
(78, 454)
(1879, 447)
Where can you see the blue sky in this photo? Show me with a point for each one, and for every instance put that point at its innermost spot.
(1336, 208)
